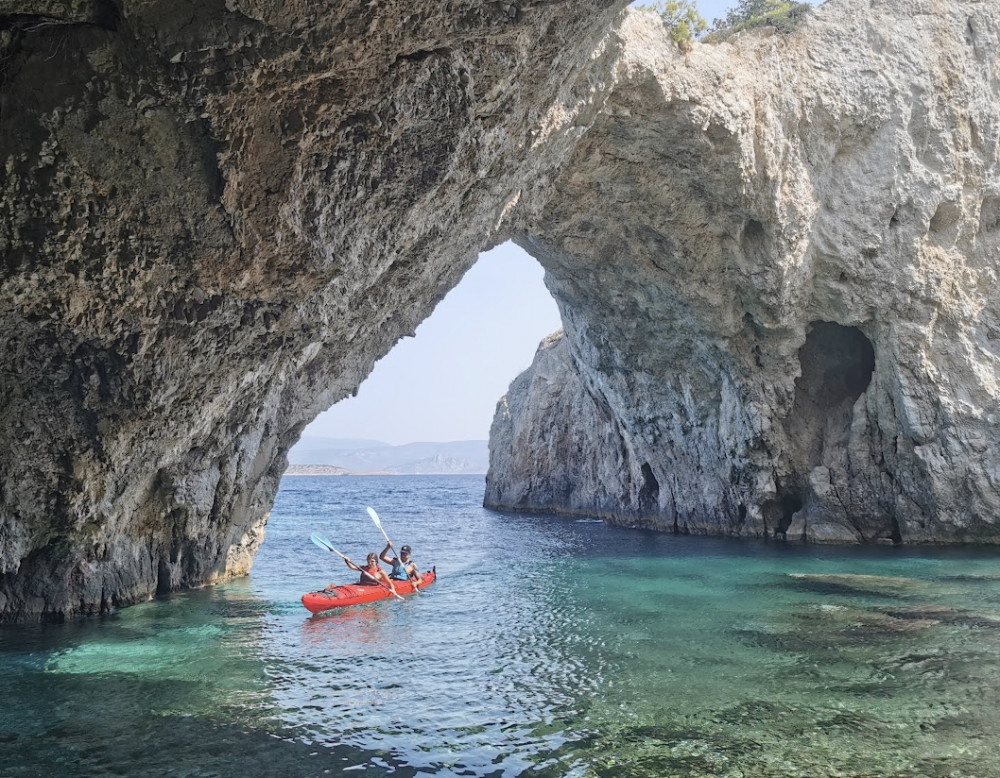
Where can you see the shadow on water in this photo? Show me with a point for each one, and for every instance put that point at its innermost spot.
(95, 737)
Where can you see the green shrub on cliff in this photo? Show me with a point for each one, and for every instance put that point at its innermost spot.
(782, 14)
(682, 19)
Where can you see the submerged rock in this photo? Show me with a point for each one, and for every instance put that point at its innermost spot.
(875, 584)
(776, 260)
(963, 617)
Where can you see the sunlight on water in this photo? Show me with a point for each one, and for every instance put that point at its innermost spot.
(548, 647)
(175, 654)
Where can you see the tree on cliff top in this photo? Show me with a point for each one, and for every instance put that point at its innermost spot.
(686, 25)
(682, 19)
(782, 14)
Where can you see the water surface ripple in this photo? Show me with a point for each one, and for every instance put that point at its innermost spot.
(548, 647)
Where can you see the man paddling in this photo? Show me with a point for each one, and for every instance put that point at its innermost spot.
(403, 567)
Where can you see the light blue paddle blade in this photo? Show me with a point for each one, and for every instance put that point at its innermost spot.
(378, 522)
(320, 541)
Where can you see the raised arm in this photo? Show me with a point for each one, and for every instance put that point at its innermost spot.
(384, 556)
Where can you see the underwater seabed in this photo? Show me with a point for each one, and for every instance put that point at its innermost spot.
(836, 675)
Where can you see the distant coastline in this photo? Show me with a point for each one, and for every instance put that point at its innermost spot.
(331, 470)
(317, 470)
(332, 456)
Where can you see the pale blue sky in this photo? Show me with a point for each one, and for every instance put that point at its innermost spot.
(444, 384)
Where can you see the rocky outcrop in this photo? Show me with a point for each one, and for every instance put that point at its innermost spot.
(215, 216)
(776, 260)
(549, 438)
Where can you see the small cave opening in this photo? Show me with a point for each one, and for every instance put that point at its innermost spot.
(163, 578)
(788, 504)
(837, 365)
(649, 493)
(755, 243)
(779, 512)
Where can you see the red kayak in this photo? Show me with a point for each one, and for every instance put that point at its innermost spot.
(358, 594)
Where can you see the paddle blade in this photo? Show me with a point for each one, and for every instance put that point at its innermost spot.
(322, 542)
(375, 518)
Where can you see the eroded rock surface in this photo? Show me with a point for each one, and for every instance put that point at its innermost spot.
(776, 260)
(214, 218)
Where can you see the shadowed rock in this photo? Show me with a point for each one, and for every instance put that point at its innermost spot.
(214, 218)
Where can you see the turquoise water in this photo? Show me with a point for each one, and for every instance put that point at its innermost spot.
(548, 647)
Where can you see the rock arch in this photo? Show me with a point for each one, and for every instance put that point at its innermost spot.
(215, 217)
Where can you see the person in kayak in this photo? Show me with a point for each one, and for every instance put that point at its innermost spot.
(372, 573)
(403, 566)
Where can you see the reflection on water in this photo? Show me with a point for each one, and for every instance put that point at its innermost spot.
(548, 647)
(349, 628)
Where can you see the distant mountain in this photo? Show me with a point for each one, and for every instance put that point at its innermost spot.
(372, 456)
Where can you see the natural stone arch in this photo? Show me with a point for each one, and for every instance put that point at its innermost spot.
(215, 218)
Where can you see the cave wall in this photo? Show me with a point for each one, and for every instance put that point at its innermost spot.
(214, 217)
(776, 260)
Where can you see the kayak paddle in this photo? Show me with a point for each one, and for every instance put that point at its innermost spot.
(322, 542)
(378, 523)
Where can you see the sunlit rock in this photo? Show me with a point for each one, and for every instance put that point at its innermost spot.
(776, 260)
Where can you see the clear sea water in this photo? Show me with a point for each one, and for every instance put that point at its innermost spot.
(547, 647)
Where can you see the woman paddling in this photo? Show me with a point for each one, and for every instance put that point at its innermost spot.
(372, 573)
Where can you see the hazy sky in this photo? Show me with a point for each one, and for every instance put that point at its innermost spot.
(444, 383)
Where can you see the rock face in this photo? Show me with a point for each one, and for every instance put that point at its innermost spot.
(776, 260)
(214, 217)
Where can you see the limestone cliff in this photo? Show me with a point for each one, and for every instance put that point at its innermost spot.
(776, 260)
(215, 215)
